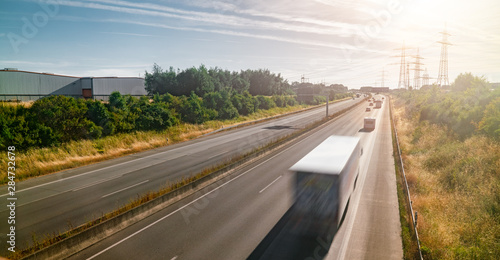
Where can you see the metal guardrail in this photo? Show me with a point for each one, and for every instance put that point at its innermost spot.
(414, 214)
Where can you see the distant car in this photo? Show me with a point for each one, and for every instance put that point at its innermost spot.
(382, 97)
(368, 109)
(371, 104)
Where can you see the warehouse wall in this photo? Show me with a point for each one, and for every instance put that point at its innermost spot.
(132, 86)
(29, 83)
(23, 85)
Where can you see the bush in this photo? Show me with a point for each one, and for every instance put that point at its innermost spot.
(265, 102)
(155, 116)
(220, 102)
(123, 118)
(100, 115)
(490, 123)
(244, 103)
(14, 127)
(193, 111)
(65, 116)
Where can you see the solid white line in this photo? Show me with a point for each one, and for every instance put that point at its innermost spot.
(270, 184)
(216, 155)
(96, 182)
(124, 189)
(181, 208)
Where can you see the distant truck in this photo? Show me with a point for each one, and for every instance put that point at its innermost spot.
(378, 103)
(369, 123)
(324, 181)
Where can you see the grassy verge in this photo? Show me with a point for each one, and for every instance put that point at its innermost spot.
(455, 187)
(41, 161)
(410, 246)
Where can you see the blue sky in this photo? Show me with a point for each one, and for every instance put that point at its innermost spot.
(331, 41)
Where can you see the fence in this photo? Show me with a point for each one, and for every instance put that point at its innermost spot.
(413, 214)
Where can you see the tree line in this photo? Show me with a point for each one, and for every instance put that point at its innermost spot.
(469, 107)
(53, 120)
(202, 80)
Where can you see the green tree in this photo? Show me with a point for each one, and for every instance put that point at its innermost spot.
(265, 102)
(66, 117)
(244, 103)
(123, 118)
(155, 116)
(159, 81)
(490, 124)
(100, 115)
(193, 111)
(220, 102)
(14, 128)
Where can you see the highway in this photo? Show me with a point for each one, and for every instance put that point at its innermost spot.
(52, 203)
(229, 219)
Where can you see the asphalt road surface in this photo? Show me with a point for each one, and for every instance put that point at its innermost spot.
(53, 203)
(230, 218)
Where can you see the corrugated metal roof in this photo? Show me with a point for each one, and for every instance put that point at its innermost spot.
(41, 73)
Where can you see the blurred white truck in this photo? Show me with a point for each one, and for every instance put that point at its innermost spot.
(324, 181)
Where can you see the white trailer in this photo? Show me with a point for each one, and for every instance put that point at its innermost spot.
(325, 179)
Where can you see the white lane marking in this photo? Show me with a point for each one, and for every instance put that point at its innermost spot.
(216, 155)
(181, 208)
(175, 257)
(137, 184)
(270, 184)
(96, 182)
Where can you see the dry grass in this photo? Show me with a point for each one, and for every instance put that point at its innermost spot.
(17, 103)
(455, 187)
(36, 162)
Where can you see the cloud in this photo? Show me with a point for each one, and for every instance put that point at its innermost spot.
(285, 22)
(131, 34)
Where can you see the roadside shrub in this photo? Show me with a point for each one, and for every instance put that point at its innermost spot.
(14, 127)
(66, 117)
(220, 102)
(193, 111)
(100, 115)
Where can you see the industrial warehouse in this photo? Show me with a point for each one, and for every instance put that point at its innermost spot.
(17, 85)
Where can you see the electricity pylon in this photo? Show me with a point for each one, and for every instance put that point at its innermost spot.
(443, 63)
